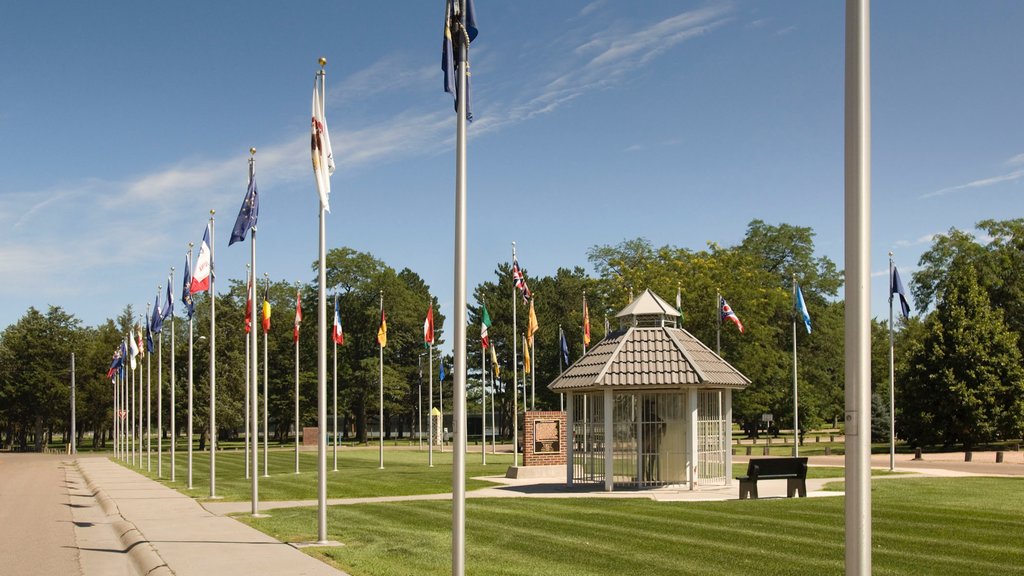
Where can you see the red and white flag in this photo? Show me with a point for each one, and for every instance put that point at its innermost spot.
(320, 147)
(428, 327)
(298, 313)
(336, 334)
(201, 273)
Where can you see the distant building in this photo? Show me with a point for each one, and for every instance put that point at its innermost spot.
(649, 405)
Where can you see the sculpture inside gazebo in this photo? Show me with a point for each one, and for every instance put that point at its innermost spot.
(649, 405)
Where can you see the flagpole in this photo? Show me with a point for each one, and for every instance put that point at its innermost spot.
(561, 397)
(170, 283)
(248, 381)
(266, 418)
(159, 396)
(254, 365)
(190, 342)
(138, 408)
(483, 406)
(494, 384)
(335, 386)
(380, 427)
(213, 361)
(459, 376)
(515, 371)
(113, 426)
(322, 354)
(796, 410)
(718, 325)
(298, 305)
(430, 401)
(131, 397)
(148, 399)
(892, 380)
(858, 297)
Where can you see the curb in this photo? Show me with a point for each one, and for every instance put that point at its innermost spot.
(144, 556)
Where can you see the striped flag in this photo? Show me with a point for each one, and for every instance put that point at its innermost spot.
(520, 281)
(727, 313)
(337, 334)
(298, 313)
(485, 323)
(428, 328)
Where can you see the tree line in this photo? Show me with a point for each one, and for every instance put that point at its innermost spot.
(957, 358)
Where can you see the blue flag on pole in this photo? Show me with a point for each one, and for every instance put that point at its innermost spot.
(149, 336)
(440, 374)
(896, 287)
(459, 27)
(156, 321)
(247, 214)
(801, 307)
(565, 347)
(169, 303)
(186, 289)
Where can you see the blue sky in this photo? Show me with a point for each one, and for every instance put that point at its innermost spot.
(123, 123)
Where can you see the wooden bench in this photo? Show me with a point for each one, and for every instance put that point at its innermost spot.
(792, 470)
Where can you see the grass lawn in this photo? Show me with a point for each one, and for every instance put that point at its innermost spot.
(921, 526)
(405, 472)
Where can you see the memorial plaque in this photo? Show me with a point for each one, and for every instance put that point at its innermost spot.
(546, 436)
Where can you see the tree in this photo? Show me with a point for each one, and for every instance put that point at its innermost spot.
(965, 382)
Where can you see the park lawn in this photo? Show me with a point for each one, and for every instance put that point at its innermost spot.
(405, 473)
(957, 526)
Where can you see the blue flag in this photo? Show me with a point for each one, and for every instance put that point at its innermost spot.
(169, 303)
(156, 321)
(565, 347)
(149, 336)
(186, 289)
(248, 214)
(458, 28)
(801, 307)
(440, 374)
(896, 287)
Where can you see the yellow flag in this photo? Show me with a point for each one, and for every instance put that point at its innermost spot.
(382, 332)
(526, 356)
(532, 326)
(494, 362)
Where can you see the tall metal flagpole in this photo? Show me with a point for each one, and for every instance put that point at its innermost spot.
(334, 380)
(174, 432)
(254, 365)
(266, 417)
(718, 323)
(515, 372)
(494, 384)
(149, 397)
(298, 304)
(74, 447)
(114, 427)
(380, 430)
(483, 406)
(131, 398)
(322, 355)
(858, 295)
(190, 335)
(213, 362)
(892, 380)
(159, 398)
(796, 409)
(430, 404)
(459, 370)
(248, 373)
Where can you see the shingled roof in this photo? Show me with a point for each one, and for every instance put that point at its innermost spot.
(649, 357)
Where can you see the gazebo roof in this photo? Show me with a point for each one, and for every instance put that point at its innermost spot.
(649, 357)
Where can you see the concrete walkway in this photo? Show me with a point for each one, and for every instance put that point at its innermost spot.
(166, 532)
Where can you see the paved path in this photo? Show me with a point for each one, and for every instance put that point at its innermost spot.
(37, 535)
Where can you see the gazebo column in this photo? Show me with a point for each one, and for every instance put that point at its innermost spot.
(691, 436)
(727, 411)
(609, 440)
(570, 435)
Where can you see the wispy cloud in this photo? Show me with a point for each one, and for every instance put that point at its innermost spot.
(983, 183)
(1016, 160)
(919, 241)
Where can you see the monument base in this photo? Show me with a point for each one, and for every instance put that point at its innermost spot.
(532, 472)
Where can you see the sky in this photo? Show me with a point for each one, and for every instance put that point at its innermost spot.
(122, 124)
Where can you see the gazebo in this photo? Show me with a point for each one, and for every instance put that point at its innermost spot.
(649, 405)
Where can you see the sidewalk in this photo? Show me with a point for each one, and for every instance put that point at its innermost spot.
(167, 532)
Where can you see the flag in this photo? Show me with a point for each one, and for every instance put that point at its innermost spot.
(520, 281)
(141, 342)
(532, 326)
(440, 372)
(494, 363)
(565, 347)
(247, 214)
(156, 321)
(458, 28)
(116, 361)
(485, 323)
(526, 356)
(248, 307)
(169, 301)
(149, 335)
(382, 332)
(679, 304)
(337, 335)
(586, 323)
(896, 287)
(298, 313)
(320, 147)
(133, 349)
(266, 309)
(186, 289)
(801, 307)
(726, 312)
(201, 278)
(428, 327)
